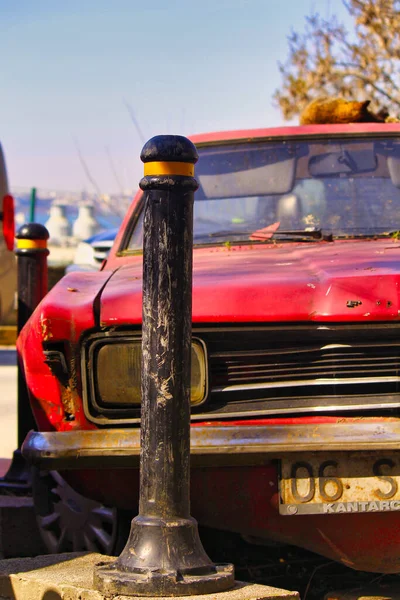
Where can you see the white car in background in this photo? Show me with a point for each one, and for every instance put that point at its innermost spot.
(91, 252)
(8, 266)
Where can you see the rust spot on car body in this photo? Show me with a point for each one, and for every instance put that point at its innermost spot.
(353, 303)
(69, 397)
(45, 325)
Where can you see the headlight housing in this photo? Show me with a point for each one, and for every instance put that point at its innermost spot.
(112, 367)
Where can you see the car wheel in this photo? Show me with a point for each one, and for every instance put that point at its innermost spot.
(69, 522)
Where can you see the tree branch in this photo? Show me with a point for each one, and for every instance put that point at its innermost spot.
(378, 89)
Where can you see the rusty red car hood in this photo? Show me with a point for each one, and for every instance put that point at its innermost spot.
(344, 280)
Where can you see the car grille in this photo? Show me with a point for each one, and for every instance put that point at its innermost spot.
(291, 369)
(101, 250)
(336, 364)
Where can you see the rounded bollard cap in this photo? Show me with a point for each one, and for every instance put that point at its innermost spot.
(32, 231)
(169, 163)
(169, 148)
(32, 237)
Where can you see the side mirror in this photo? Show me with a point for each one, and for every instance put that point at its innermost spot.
(8, 221)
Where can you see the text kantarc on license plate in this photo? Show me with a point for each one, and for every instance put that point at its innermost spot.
(339, 482)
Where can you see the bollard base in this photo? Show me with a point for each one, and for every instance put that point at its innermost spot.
(163, 557)
(110, 580)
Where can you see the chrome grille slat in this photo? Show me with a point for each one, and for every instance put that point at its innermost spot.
(339, 363)
(394, 363)
(312, 374)
(315, 382)
(300, 350)
(324, 357)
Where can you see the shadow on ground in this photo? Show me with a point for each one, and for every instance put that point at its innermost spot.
(289, 567)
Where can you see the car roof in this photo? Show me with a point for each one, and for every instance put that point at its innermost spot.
(244, 135)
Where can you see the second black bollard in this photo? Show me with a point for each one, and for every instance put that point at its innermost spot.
(164, 555)
(31, 255)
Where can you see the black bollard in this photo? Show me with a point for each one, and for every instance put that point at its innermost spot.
(164, 555)
(32, 255)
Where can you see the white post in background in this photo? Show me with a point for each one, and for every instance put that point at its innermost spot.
(58, 225)
(85, 225)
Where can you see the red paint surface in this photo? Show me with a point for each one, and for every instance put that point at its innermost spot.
(280, 282)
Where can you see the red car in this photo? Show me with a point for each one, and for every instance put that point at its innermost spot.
(295, 360)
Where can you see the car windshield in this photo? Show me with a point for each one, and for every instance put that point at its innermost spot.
(256, 191)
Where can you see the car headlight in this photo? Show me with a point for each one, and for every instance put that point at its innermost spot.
(117, 372)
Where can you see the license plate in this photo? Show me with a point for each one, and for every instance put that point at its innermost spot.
(342, 482)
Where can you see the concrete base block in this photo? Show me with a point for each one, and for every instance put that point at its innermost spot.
(70, 577)
(19, 533)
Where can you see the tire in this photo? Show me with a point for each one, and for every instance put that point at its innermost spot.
(69, 522)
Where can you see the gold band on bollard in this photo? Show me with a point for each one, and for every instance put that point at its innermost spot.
(28, 244)
(169, 168)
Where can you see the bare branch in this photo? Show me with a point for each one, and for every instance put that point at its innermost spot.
(326, 59)
(368, 81)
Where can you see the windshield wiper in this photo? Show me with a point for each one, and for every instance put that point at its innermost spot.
(395, 234)
(271, 230)
(261, 235)
(316, 234)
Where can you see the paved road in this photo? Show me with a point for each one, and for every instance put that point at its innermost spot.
(8, 402)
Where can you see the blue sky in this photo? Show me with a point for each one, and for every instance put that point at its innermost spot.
(68, 67)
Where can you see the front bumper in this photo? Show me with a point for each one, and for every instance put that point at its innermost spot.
(211, 445)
